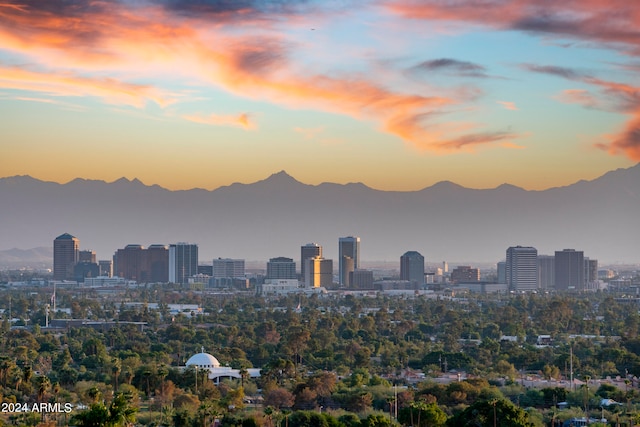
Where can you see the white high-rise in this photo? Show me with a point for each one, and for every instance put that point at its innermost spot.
(522, 268)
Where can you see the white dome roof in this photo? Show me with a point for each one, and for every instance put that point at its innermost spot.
(203, 360)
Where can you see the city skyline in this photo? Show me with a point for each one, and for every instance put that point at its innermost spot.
(396, 94)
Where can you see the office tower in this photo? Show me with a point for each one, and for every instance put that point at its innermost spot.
(134, 262)
(348, 248)
(465, 273)
(128, 262)
(569, 269)
(361, 279)
(445, 267)
(281, 268)
(157, 264)
(546, 271)
(591, 270)
(83, 270)
(310, 250)
(319, 272)
(87, 256)
(347, 268)
(412, 267)
(228, 268)
(501, 268)
(106, 267)
(183, 262)
(65, 256)
(522, 268)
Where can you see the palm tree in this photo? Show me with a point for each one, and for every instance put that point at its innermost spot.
(43, 385)
(115, 370)
(121, 413)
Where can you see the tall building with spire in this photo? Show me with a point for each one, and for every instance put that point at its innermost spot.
(348, 257)
(66, 249)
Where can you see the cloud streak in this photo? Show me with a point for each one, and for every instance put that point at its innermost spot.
(242, 120)
(613, 96)
(75, 44)
(453, 66)
(110, 90)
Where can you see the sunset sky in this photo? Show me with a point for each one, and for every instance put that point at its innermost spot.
(397, 94)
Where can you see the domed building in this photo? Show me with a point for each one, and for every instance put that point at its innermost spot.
(203, 361)
(209, 363)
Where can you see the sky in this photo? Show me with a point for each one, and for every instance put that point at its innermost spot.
(397, 94)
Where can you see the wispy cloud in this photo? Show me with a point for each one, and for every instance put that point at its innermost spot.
(471, 142)
(217, 44)
(59, 84)
(611, 22)
(242, 120)
(565, 72)
(509, 105)
(612, 96)
(453, 66)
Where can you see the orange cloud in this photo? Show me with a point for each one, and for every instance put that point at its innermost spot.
(626, 142)
(241, 120)
(148, 41)
(65, 84)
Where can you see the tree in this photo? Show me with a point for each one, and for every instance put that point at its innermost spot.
(491, 413)
(119, 413)
(279, 398)
(422, 414)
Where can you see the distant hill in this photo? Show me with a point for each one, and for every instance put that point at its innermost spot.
(277, 215)
(35, 258)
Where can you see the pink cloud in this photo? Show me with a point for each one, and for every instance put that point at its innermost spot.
(109, 39)
(508, 105)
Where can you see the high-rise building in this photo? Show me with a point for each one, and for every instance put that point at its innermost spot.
(134, 262)
(310, 250)
(348, 248)
(501, 268)
(228, 268)
(591, 270)
(281, 268)
(361, 279)
(106, 267)
(465, 273)
(183, 262)
(128, 262)
(546, 271)
(319, 272)
(66, 250)
(522, 268)
(87, 256)
(569, 270)
(347, 266)
(157, 264)
(412, 267)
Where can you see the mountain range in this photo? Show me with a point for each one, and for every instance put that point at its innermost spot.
(277, 215)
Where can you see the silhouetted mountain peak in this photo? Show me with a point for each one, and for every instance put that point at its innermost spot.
(445, 186)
